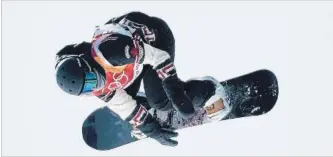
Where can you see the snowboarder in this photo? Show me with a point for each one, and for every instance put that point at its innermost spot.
(124, 52)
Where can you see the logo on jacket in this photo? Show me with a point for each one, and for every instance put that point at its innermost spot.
(119, 81)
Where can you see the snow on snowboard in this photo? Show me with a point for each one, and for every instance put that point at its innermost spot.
(252, 94)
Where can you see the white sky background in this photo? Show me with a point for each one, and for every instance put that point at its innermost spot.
(293, 39)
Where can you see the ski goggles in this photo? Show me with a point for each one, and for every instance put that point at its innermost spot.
(90, 78)
(90, 83)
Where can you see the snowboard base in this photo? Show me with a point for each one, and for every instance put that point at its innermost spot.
(252, 94)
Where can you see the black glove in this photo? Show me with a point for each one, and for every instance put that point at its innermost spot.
(154, 130)
(148, 125)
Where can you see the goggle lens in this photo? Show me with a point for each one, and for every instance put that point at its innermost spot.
(90, 83)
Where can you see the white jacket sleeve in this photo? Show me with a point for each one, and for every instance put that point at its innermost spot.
(128, 109)
(122, 104)
(160, 60)
(154, 56)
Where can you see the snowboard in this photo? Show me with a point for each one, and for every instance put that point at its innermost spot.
(251, 94)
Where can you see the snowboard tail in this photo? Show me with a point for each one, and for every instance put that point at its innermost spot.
(252, 94)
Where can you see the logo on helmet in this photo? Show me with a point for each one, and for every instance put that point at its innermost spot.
(127, 53)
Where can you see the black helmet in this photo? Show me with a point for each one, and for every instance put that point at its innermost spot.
(75, 49)
(74, 74)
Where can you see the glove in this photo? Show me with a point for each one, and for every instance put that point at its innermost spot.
(142, 120)
(154, 130)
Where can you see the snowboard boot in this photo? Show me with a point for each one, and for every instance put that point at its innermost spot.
(216, 105)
